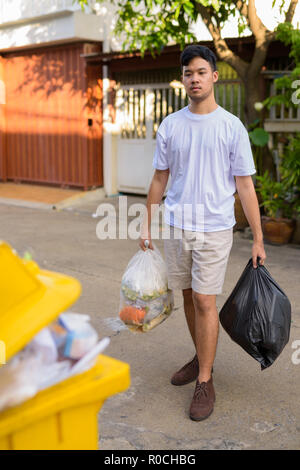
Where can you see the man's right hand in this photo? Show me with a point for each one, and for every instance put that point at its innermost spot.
(142, 244)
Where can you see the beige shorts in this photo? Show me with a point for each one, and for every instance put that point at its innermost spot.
(197, 260)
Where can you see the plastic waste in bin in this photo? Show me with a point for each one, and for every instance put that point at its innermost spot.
(63, 416)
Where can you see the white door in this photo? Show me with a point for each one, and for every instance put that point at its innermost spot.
(140, 109)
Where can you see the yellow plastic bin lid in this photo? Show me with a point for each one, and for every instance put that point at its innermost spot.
(31, 298)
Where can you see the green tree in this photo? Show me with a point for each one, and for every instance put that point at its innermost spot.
(282, 196)
(152, 24)
(287, 86)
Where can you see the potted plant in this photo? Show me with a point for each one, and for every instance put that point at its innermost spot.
(291, 175)
(277, 223)
(281, 198)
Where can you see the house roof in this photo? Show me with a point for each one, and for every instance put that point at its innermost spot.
(169, 57)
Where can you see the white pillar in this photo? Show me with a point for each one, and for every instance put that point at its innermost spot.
(109, 147)
(107, 167)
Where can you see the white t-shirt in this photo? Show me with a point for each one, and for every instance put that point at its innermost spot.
(203, 153)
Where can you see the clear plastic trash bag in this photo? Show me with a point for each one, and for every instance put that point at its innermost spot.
(145, 300)
(257, 315)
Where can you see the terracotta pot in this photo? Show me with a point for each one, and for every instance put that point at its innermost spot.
(277, 230)
(296, 234)
(241, 221)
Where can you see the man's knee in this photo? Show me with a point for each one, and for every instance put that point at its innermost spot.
(203, 302)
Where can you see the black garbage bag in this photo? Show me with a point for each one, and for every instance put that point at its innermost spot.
(257, 315)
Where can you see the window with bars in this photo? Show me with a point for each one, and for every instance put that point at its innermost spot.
(132, 104)
(142, 104)
(282, 112)
(146, 98)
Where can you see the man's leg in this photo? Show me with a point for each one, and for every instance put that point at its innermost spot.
(206, 332)
(189, 311)
(208, 273)
(190, 371)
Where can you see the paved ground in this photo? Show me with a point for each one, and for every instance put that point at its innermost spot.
(254, 409)
(36, 193)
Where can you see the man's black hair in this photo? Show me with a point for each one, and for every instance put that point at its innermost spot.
(195, 50)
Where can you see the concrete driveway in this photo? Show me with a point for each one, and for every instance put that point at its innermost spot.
(254, 409)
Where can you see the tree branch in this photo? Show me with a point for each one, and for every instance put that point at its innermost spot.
(271, 35)
(257, 27)
(220, 44)
(291, 11)
(263, 37)
(243, 9)
(258, 60)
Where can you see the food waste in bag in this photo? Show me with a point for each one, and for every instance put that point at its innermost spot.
(67, 347)
(257, 315)
(145, 300)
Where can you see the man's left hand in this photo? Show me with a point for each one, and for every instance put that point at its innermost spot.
(258, 250)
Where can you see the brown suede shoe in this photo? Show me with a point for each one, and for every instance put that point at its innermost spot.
(203, 400)
(188, 373)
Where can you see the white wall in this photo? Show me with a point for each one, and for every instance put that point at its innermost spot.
(46, 22)
(15, 10)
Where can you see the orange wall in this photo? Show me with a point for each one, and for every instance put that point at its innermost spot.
(50, 94)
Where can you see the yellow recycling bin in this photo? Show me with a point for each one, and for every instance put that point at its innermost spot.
(64, 416)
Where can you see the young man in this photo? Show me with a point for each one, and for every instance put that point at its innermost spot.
(207, 152)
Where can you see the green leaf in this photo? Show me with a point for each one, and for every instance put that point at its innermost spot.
(254, 124)
(259, 137)
(216, 4)
(241, 28)
(177, 12)
(82, 3)
(189, 9)
(205, 3)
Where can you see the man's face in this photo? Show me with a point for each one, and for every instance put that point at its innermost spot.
(198, 79)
